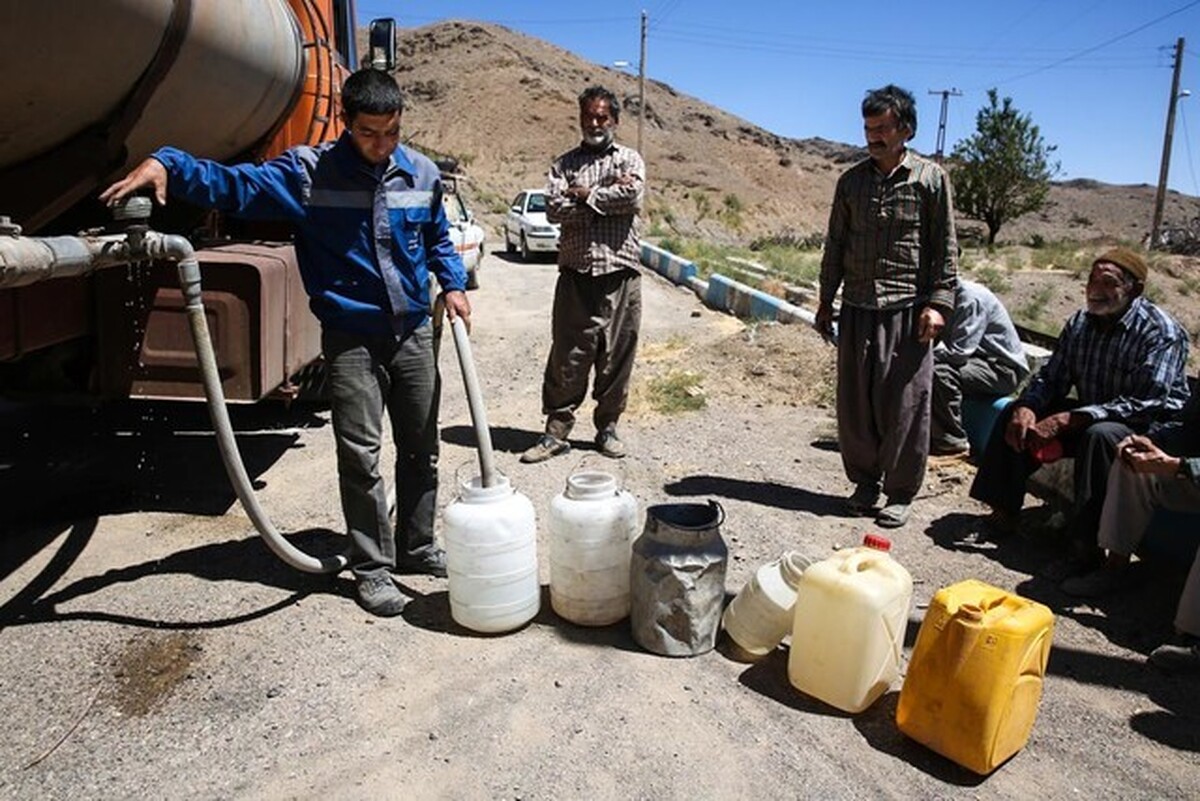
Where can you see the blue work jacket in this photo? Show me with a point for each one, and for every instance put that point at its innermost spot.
(366, 236)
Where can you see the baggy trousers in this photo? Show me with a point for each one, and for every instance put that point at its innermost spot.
(884, 383)
(977, 376)
(595, 323)
(1003, 472)
(366, 375)
(1129, 503)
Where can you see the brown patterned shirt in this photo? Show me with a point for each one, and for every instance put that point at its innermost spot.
(599, 235)
(891, 241)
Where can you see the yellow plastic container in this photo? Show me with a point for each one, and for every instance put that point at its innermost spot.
(975, 677)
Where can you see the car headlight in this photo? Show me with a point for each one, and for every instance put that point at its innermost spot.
(544, 229)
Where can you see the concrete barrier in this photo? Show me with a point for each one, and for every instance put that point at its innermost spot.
(665, 263)
(745, 301)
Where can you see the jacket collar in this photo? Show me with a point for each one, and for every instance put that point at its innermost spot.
(348, 155)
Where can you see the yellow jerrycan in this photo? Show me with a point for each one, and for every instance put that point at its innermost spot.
(975, 677)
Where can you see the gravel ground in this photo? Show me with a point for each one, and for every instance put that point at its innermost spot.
(151, 645)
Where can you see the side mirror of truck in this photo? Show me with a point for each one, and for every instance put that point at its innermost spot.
(381, 44)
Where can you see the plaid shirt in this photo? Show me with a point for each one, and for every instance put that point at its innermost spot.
(891, 238)
(599, 235)
(1131, 371)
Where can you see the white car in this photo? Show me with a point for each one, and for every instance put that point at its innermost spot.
(526, 227)
(465, 233)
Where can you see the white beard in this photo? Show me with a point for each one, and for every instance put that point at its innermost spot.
(600, 140)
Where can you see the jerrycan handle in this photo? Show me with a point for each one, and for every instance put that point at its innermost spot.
(860, 561)
(977, 608)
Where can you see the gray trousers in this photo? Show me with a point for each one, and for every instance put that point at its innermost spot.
(365, 376)
(885, 377)
(1129, 504)
(595, 323)
(977, 376)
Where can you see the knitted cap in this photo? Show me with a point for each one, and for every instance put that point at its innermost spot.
(1127, 260)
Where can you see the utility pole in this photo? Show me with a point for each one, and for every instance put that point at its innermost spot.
(941, 135)
(642, 88)
(1161, 195)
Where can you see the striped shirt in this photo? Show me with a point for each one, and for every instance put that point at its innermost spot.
(891, 242)
(599, 235)
(1131, 371)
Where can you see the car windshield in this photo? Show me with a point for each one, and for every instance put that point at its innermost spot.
(536, 203)
(455, 210)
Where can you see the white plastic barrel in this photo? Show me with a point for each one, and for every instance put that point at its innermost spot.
(592, 527)
(761, 615)
(848, 633)
(491, 557)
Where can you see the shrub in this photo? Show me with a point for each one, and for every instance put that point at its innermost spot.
(677, 391)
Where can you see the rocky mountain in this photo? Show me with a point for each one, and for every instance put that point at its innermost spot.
(503, 103)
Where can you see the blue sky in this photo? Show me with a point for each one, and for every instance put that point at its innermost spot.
(1094, 74)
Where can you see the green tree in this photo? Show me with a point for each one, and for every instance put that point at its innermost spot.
(1004, 169)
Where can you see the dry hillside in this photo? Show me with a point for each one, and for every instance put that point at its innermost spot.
(504, 104)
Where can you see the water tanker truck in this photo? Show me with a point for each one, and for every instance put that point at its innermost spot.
(92, 88)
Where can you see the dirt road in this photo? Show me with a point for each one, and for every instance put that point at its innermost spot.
(151, 646)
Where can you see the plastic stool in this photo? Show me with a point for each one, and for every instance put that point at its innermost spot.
(980, 413)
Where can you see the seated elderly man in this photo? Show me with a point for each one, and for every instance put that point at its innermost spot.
(1146, 478)
(979, 354)
(1124, 357)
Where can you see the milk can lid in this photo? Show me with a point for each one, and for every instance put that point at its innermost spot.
(877, 542)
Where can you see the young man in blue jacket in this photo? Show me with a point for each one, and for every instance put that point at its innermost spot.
(369, 228)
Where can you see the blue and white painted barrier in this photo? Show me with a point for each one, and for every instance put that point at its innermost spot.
(746, 301)
(721, 292)
(667, 264)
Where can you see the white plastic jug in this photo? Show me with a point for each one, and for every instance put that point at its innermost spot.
(491, 557)
(850, 617)
(592, 527)
(761, 615)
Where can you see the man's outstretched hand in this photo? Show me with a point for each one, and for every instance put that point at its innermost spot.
(150, 173)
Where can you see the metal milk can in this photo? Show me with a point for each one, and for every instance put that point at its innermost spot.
(677, 579)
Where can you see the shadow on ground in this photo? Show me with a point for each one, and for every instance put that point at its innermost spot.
(72, 462)
(507, 440)
(246, 560)
(764, 493)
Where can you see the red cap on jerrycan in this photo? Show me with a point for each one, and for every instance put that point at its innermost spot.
(877, 542)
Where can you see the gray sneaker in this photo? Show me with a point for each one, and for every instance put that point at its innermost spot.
(547, 447)
(894, 515)
(609, 444)
(431, 562)
(380, 596)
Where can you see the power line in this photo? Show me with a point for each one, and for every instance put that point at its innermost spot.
(858, 47)
(1100, 46)
(1187, 142)
(911, 56)
(664, 10)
